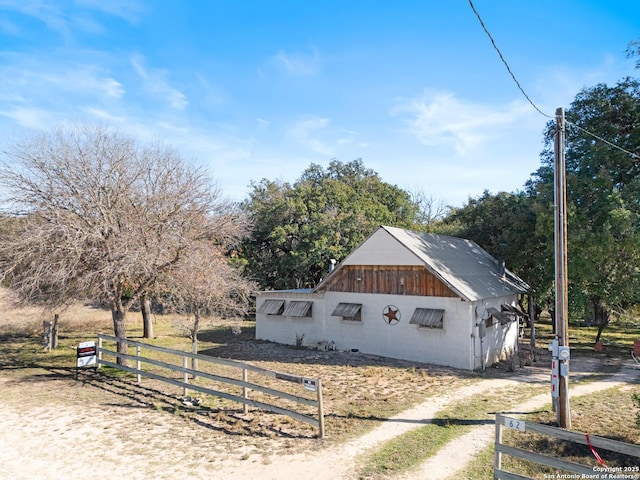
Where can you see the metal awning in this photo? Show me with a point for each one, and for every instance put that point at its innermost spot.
(298, 309)
(510, 309)
(427, 317)
(271, 307)
(347, 310)
(503, 318)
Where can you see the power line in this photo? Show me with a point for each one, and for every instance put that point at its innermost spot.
(611, 144)
(505, 62)
(631, 154)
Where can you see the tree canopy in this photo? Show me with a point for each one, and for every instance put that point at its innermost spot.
(603, 185)
(602, 154)
(324, 215)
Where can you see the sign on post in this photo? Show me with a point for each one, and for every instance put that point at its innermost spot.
(86, 354)
(309, 384)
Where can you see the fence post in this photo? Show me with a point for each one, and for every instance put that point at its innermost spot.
(99, 351)
(194, 360)
(498, 454)
(54, 332)
(138, 377)
(185, 376)
(245, 391)
(320, 409)
(46, 334)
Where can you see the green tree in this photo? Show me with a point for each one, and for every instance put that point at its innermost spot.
(504, 224)
(324, 215)
(603, 185)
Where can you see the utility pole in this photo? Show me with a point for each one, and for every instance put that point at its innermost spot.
(560, 348)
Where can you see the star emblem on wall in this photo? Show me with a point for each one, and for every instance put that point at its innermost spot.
(391, 314)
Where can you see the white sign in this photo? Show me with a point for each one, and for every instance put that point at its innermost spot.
(86, 354)
(515, 424)
(309, 384)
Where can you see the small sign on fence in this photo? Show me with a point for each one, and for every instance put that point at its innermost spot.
(309, 384)
(86, 354)
(515, 424)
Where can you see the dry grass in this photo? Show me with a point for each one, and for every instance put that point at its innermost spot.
(359, 390)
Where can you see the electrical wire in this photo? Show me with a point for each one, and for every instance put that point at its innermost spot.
(505, 62)
(631, 154)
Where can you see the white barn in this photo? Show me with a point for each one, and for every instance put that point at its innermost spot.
(407, 295)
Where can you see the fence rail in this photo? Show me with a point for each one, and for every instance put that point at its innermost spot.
(584, 470)
(310, 384)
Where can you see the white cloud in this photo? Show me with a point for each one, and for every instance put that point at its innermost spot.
(65, 18)
(156, 83)
(129, 10)
(439, 118)
(41, 81)
(262, 124)
(105, 115)
(35, 118)
(305, 132)
(314, 133)
(300, 64)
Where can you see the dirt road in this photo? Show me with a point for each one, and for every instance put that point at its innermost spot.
(123, 439)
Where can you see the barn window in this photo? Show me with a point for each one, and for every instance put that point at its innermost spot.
(503, 318)
(428, 318)
(348, 311)
(298, 309)
(271, 307)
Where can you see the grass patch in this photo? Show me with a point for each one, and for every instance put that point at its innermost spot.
(617, 338)
(411, 449)
(609, 413)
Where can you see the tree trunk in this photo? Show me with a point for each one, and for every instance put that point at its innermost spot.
(54, 332)
(602, 317)
(532, 323)
(119, 315)
(147, 318)
(194, 338)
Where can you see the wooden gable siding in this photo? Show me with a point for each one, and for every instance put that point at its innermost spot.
(388, 279)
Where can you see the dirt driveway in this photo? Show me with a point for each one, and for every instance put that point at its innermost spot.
(53, 427)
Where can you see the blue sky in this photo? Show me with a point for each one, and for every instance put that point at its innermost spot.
(261, 89)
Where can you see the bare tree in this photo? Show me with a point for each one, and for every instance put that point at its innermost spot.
(429, 209)
(207, 284)
(104, 217)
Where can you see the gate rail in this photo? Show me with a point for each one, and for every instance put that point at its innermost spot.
(310, 384)
(585, 471)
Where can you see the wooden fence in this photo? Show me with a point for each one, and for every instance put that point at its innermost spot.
(581, 471)
(198, 363)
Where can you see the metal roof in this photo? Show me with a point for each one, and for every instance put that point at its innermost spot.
(461, 264)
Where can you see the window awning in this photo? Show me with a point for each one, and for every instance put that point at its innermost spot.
(271, 307)
(347, 310)
(427, 317)
(298, 309)
(503, 318)
(510, 309)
